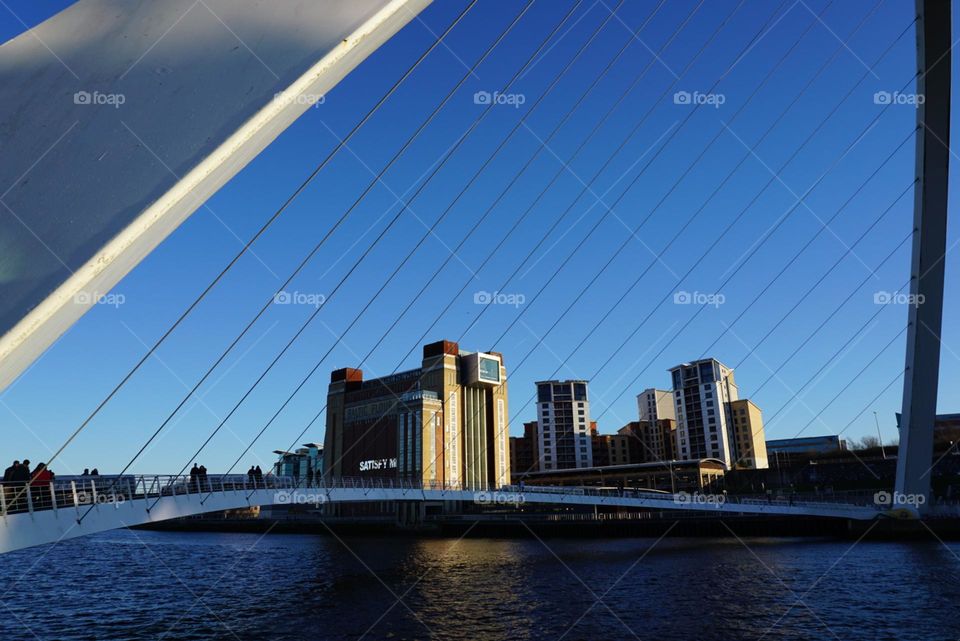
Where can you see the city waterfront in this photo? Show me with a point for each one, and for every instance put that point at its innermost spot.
(250, 586)
(477, 320)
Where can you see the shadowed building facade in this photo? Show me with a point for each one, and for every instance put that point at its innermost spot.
(524, 451)
(444, 422)
(651, 441)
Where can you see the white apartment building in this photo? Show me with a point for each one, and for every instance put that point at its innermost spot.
(563, 417)
(702, 391)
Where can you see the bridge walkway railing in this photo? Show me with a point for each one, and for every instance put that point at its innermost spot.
(84, 491)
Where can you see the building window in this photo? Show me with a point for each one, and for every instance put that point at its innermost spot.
(543, 393)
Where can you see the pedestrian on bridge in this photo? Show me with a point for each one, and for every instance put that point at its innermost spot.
(40, 482)
(9, 472)
(9, 482)
(202, 476)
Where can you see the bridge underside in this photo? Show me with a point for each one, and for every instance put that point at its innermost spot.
(27, 529)
(149, 108)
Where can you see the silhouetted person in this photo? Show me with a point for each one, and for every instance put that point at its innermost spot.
(194, 477)
(94, 472)
(16, 481)
(86, 472)
(259, 473)
(10, 471)
(9, 483)
(20, 475)
(251, 473)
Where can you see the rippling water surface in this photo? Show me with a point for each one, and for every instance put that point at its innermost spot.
(152, 585)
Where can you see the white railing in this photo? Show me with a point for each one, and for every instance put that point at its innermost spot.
(88, 491)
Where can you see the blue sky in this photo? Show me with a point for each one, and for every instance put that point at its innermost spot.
(56, 394)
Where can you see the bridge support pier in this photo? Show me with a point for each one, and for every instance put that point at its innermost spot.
(921, 375)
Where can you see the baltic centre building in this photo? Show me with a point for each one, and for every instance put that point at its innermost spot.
(442, 423)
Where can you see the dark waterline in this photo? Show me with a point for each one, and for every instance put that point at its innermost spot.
(159, 585)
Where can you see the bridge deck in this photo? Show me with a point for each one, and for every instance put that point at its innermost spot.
(76, 507)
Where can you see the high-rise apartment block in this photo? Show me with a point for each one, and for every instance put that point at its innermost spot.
(704, 393)
(563, 418)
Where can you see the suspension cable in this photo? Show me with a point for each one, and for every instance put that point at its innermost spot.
(882, 55)
(626, 139)
(303, 185)
(609, 209)
(780, 221)
(472, 180)
(448, 154)
(582, 342)
(664, 198)
(596, 128)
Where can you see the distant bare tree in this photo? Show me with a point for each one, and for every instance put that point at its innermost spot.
(867, 442)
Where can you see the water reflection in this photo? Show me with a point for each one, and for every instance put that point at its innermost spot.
(149, 585)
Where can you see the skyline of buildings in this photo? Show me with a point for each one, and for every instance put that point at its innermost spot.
(701, 418)
(446, 423)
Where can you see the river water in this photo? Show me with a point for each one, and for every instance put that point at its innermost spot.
(160, 585)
